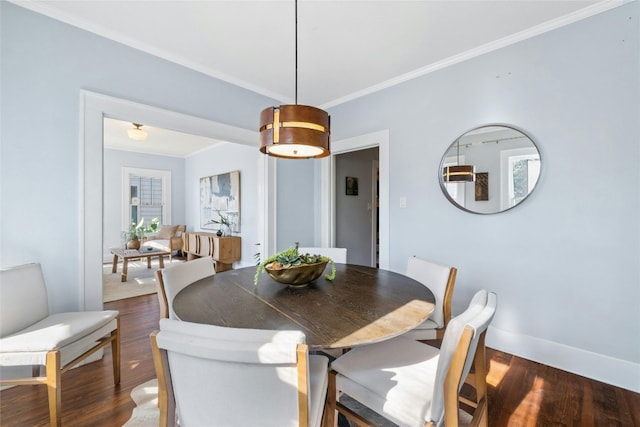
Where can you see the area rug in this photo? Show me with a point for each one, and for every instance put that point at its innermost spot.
(146, 413)
(140, 280)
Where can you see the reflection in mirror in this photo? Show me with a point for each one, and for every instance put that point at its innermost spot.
(506, 163)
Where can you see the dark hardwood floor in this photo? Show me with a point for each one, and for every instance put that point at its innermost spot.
(521, 393)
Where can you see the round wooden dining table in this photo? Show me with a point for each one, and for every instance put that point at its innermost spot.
(361, 305)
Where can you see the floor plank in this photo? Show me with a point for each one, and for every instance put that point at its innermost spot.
(521, 393)
(89, 397)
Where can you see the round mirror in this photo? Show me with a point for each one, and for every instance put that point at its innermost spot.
(490, 169)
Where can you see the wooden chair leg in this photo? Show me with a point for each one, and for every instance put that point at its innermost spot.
(115, 353)
(330, 406)
(53, 388)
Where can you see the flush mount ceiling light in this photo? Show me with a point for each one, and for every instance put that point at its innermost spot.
(136, 133)
(295, 131)
(459, 173)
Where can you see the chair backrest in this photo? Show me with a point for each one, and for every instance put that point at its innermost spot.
(338, 255)
(178, 276)
(216, 373)
(463, 340)
(23, 298)
(440, 279)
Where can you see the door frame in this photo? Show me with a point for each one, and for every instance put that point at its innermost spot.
(378, 139)
(93, 108)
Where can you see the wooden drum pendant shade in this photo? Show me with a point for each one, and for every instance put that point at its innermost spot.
(295, 132)
(460, 173)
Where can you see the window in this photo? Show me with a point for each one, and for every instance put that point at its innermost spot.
(146, 195)
(522, 168)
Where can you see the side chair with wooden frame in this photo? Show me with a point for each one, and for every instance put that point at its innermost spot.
(440, 279)
(32, 338)
(414, 384)
(237, 377)
(172, 279)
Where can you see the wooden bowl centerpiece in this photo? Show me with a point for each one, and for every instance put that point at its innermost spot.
(296, 276)
(294, 269)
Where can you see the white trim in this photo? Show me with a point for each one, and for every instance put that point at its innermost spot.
(618, 372)
(375, 164)
(267, 189)
(109, 33)
(93, 107)
(327, 189)
(594, 9)
(506, 183)
(576, 16)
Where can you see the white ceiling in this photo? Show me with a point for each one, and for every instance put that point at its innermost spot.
(346, 48)
(159, 141)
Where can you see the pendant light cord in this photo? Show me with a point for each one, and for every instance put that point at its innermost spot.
(296, 48)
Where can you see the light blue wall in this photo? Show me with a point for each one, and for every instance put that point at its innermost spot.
(222, 158)
(295, 214)
(44, 65)
(114, 161)
(566, 263)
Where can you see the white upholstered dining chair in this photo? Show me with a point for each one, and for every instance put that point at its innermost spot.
(440, 279)
(219, 376)
(411, 383)
(32, 338)
(175, 277)
(338, 255)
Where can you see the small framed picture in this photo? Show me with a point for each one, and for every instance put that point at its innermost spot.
(482, 186)
(352, 186)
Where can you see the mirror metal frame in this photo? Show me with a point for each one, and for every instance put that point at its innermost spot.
(444, 157)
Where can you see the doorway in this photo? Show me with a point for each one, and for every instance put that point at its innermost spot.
(378, 139)
(93, 108)
(356, 201)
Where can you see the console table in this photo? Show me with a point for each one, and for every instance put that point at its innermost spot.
(224, 250)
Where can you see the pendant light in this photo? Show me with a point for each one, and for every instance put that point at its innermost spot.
(459, 173)
(295, 131)
(136, 133)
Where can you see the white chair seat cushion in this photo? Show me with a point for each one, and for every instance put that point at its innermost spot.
(58, 330)
(395, 378)
(427, 324)
(424, 331)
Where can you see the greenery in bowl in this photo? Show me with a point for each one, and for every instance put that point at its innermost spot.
(291, 258)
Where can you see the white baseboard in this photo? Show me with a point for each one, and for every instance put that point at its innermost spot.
(599, 367)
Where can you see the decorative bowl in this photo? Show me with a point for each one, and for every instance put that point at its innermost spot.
(298, 276)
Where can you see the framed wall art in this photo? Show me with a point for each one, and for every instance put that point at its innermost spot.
(220, 198)
(482, 186)
(351, 186)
